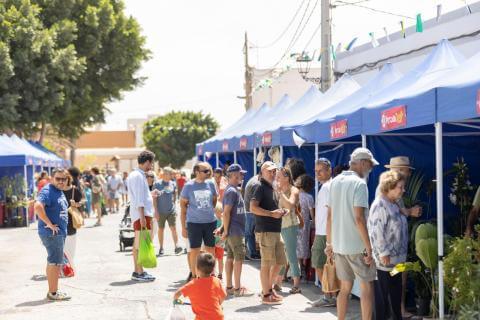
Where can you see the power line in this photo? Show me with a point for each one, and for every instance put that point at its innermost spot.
(313, 36)
(284, 31)
(355, 4)
(295, 37)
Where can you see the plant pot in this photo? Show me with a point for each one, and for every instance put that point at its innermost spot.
(423, 306)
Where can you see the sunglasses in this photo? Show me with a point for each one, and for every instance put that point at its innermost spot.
(60, 179)
(206, 171)
(150, 176)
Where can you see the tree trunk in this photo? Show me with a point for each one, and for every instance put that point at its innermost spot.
(43, 131)
(72, 151)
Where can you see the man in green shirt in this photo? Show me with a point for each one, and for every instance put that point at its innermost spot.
(347, 234)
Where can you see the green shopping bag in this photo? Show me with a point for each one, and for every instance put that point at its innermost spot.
(146, 251)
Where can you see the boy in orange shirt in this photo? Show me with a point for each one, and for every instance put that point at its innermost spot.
(206, 293)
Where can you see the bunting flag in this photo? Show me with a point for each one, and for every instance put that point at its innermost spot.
(439, 11)
(374, 41)
(334, 55)
(350, 45)
(387, 36)
(320, 56)
(339, 48)
(419, 23)
(402, 26)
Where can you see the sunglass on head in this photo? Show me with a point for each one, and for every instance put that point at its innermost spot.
(60, 179)
(324, 160)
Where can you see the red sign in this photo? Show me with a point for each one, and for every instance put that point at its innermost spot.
(267, 139)
(338, 129)
(225, 145)
(243, 143)
(395, 117)
(478, 102)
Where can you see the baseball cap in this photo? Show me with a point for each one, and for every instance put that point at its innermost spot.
(269, 165)
(235, 168)
(218, 170)
(363, 154)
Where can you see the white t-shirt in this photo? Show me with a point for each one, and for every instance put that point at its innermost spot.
(321, 209)
(139, 194)
(114, 182)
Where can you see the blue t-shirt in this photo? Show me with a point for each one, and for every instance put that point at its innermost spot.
(233, 198)
(200, 201)
(165, 204)
(56, 206)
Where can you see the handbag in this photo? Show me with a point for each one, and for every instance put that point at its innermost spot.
(77, 218)
(67, 269)
(330, 282)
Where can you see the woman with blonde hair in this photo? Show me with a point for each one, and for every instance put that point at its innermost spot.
(388, 232)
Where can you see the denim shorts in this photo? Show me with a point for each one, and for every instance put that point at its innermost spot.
(54, 245)
(198, 232)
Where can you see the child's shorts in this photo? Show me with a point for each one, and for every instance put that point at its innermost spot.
(219, 252)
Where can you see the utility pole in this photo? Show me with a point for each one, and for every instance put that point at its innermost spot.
(248, 77)
(327, 72)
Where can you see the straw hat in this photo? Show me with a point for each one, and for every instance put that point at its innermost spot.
(399, 162)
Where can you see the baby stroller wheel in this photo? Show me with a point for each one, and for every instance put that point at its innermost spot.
(122, 247)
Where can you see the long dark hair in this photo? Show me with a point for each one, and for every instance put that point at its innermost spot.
(296, 167)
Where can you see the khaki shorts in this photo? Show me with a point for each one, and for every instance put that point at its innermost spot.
(171, 218)
(272, 249)
(352, 266)
(319, 258)
(235, 246)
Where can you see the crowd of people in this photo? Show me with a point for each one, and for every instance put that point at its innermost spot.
(268, 218)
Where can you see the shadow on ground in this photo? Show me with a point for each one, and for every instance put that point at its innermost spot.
(33, 303)
(38, 277)
(123, 283)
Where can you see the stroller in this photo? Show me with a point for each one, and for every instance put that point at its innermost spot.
(126, 234)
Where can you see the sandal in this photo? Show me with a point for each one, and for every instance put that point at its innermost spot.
(277, 288)
(230, 290)
(242, 292)
(220, 277)
(295, 290)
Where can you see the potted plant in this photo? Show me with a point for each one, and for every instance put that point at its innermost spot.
(462, 275)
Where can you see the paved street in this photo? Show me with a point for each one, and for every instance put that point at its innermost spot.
(102, 289)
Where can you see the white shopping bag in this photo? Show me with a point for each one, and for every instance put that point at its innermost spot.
(175, 314)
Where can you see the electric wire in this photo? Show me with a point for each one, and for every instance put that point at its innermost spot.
(355, 4)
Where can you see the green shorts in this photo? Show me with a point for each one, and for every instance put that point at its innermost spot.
(171, 218)
(319, 258)
(235, 246)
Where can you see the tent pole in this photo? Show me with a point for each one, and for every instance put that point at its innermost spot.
(33, 184)
(204, 158)
(218, 160)
(439, 186)
(235, 157)
(316, 180)
(281, 155)
(364, 141)
(26, 191)
(254, 161)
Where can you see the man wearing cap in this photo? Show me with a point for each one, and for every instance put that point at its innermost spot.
(347, 235)
(234, 229)
(252, 253)
(402, 165)
(268, 221)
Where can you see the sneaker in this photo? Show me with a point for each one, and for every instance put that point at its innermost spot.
(271, 299)
(178, 250)
(242, 292)
(58, 296)
(255, 257)
(139, 277)
(161, 252)
(325, 302)
(148, 276)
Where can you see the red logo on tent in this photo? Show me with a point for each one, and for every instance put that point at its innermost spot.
(243, 143)
(225, 145)
(200, 150)
(267, 139)
(338, 129)
(478, 102)
(395, 117)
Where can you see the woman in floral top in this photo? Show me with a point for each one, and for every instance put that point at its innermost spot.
(388, 231)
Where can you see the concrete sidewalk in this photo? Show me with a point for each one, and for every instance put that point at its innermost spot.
(102, 289)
